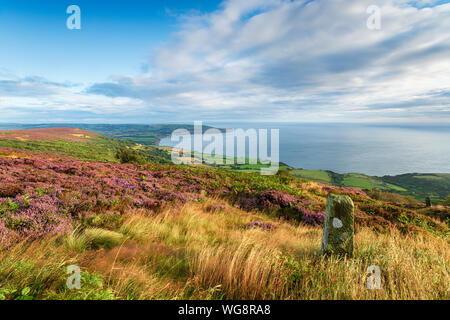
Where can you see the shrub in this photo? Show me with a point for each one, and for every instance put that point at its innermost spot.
(284, 173)
(125, 155)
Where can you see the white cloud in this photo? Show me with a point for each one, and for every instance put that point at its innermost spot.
(289, 60)
(305, 57)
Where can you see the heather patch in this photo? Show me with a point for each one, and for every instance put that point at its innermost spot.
(285, 205)
(49, 134)
(42, 195)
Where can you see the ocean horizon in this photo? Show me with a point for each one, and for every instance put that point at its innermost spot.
(372, 149)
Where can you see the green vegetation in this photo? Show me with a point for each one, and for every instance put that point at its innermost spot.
(420, 186)
(125, 155)
(434, 185)
(447, 201)
(359, 181)
(190, 252)
(99, 148)
(101, 238)
(42, 276)
(315, 175)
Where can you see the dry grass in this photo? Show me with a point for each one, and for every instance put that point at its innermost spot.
(195, 253)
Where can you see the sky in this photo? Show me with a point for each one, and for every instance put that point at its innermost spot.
(172, 61)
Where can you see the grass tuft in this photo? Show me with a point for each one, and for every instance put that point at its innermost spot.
(101, 238)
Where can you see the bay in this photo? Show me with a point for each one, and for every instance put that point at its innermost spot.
(372, 149)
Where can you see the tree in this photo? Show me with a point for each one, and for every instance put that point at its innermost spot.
(125, 155)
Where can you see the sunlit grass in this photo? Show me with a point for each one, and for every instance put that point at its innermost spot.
(195, 253)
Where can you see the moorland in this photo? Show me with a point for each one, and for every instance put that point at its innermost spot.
(140, 227)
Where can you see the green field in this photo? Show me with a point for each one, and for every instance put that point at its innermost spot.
(357, 180)
(316, 175)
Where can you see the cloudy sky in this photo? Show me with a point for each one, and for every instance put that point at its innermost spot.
(152, 61)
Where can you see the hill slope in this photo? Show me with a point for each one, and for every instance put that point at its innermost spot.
(173, 232)
(138, 133)
(160, 231)
(77, 143)
(417, 185)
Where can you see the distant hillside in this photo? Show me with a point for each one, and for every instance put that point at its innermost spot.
(419, 186)
(77, 143)
(49, 134)
(138, 133)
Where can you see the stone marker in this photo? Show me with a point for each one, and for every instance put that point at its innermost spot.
(338, 227)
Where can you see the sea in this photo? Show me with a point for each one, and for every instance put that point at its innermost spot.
(372, 149)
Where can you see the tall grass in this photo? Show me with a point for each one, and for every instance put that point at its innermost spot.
(197, 253)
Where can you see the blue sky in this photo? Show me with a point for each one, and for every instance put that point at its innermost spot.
(116, 36)
(254, 60)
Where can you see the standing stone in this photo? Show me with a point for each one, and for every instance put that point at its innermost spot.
(338, 227)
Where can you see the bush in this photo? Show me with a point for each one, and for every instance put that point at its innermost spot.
(125, 155)
(284, 173)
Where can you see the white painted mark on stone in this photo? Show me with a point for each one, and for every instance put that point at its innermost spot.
(337, 223)
(374, 279)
